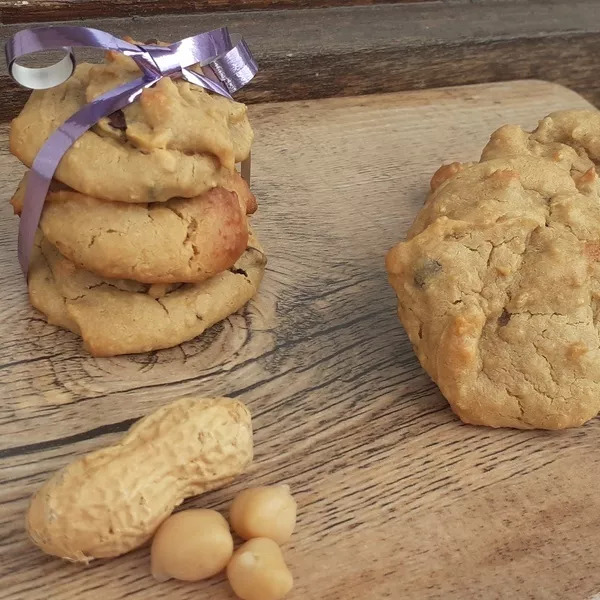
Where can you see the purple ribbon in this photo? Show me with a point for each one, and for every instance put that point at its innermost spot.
(225, 69)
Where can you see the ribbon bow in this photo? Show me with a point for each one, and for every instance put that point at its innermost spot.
(225, 69)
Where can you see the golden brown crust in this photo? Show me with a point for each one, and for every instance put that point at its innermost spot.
(172, 114)
(123, 316)
(498, 288)
(444, 173)
(176, 140)
(181, 240)
(569, 138)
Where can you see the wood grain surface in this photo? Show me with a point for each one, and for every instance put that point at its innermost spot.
(343, 51)
(397, 499)
(19, 11)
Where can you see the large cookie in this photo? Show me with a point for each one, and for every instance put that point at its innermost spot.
(181, 240)
(175, 140)
(570, 138)
(498, 288)
(122, 317)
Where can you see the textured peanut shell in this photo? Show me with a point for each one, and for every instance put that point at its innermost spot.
(113, 500)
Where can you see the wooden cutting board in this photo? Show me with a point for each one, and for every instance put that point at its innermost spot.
(397, 499)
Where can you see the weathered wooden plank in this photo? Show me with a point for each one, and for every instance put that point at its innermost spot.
(317, 53)
(397, 498)
(19, 11)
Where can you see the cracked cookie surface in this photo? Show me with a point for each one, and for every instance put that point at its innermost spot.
(122, 316)
(181, 240)
(175, 140)
(498, 287)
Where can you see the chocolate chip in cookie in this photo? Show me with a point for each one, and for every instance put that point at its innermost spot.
(117, 120)
(504, 318)
(428, 269)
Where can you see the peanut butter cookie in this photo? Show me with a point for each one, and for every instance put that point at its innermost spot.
(176, 140)
(498, 287)
(122, 316)
(180, 240)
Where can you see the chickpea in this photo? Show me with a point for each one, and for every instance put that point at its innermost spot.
(191, 545)
(257, 571)
(268, 511)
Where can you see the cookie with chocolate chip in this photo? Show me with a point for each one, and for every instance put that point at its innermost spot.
(498, 287)
(180, 240)
(175, 140)
(115, 316)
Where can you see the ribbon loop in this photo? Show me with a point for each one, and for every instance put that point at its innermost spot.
(225, 69)
(166, 60)
(30, 41)
(236, 67)
(41, 78)
(146, 62)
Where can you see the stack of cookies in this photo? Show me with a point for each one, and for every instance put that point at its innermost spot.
(498, 281)
(144, 241)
